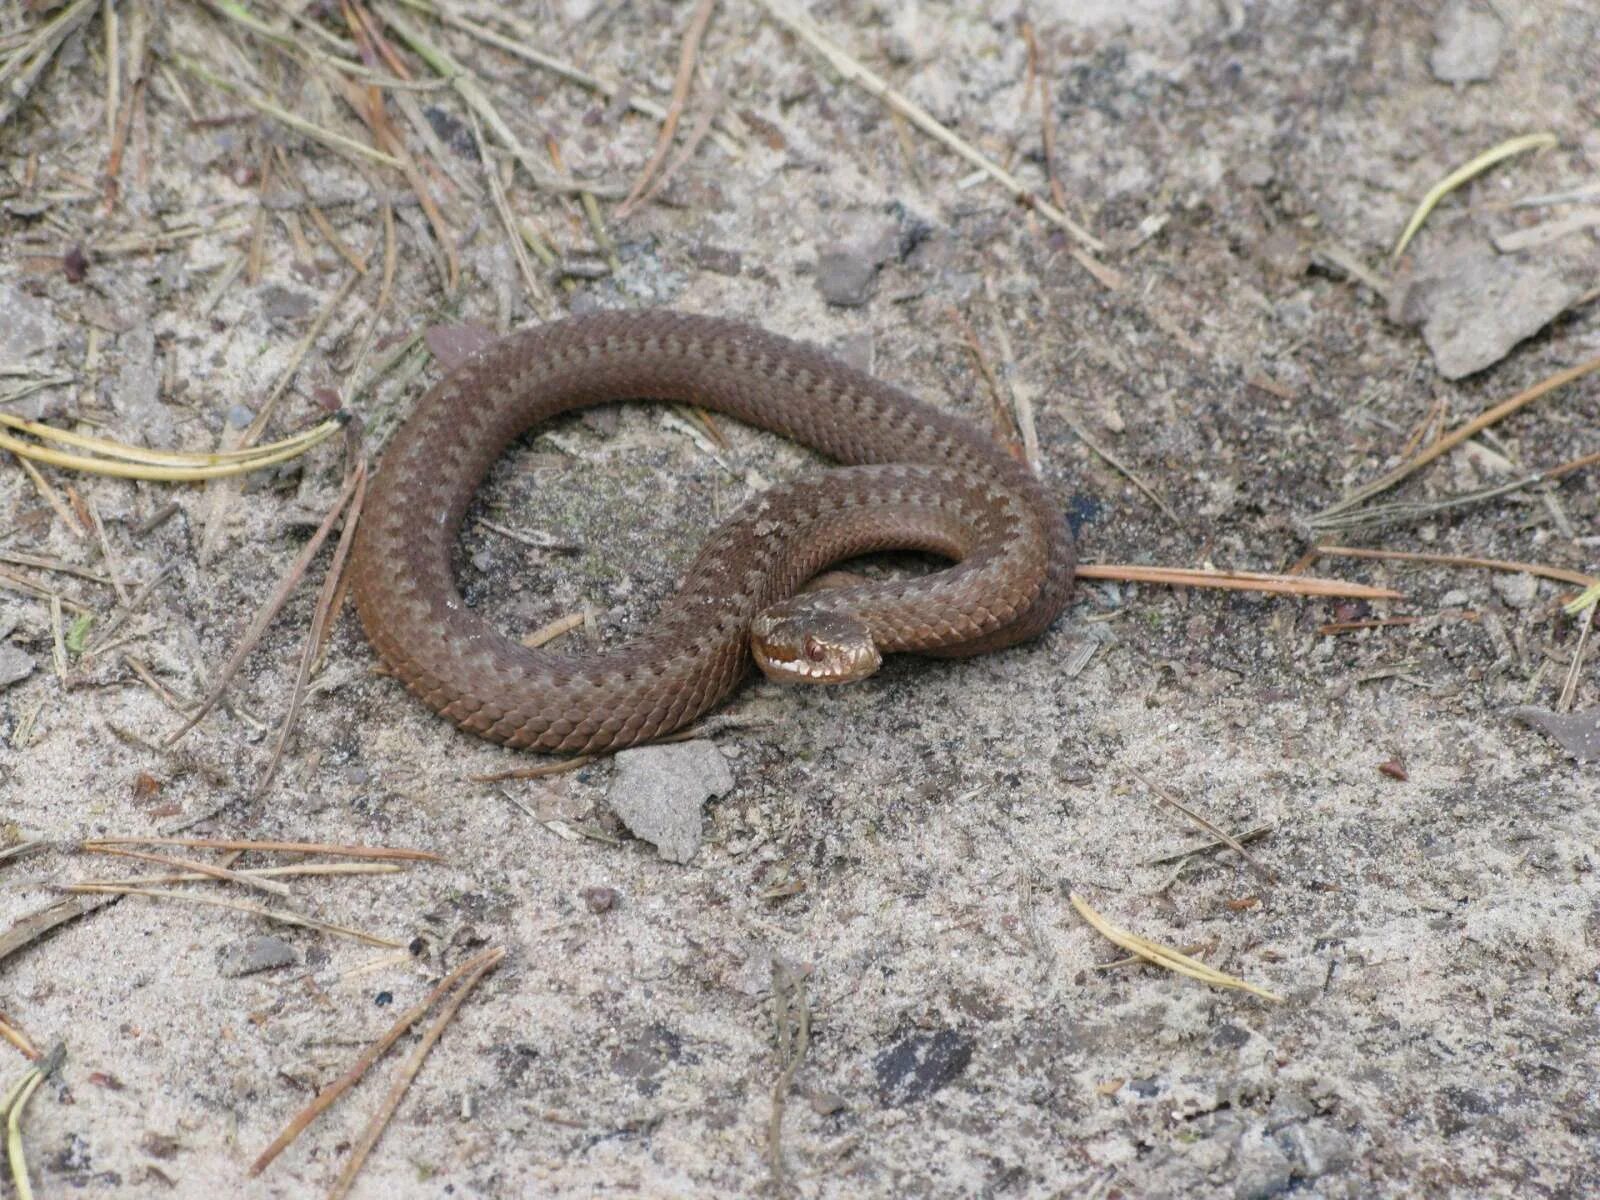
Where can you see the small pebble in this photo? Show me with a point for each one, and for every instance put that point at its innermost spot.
(1467, 43)
(1518, 591)
(260, 953)
(15, 665)
(845, 276)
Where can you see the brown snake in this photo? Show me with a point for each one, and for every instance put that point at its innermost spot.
(934, 484)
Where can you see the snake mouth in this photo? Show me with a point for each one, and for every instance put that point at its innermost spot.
(813, 648)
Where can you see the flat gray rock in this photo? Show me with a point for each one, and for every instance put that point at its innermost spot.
(1474, 304)
(260, 953)
(26, 326)
(1467, 42)
(15, 665)
(658, 792)
(1578, 733)
(845, 275)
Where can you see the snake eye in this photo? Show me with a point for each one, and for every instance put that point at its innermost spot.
(815, 650)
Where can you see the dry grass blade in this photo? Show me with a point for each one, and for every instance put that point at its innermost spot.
(1516, 145)
(1244, 581)
(1588, 598)
(295, 869)
(857, 73)
(374, 852)
(792, 1016)
(160, 466)
(680, 95)
(477, 968)
(1453, 439)
(369, 106)
(18, 1039)
(566, 70)
(334, 141)
(12, 1106)
(1165, 956)
(189, 864)
(537, 300)
(22, 70)
(281, 915)
(1463, 560)
(328, 1095)
(468, 88)
(269, 610)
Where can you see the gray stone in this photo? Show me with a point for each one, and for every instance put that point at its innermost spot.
(1519, 591)
(1318, 1148)
(1260, 1168)
(137, 392)
(845, 275)
(658, 791)
(26, 325)
(1474, 304)
(15, 665)
(260, 953)
(1578, 733)
(1467, 43)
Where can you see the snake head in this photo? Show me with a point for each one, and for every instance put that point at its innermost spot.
(796, 644)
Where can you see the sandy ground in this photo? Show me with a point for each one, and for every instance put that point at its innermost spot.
(906, 845)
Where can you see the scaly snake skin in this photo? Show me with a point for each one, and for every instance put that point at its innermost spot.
(938, 485)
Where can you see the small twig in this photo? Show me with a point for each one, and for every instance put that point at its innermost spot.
(537, 300)
(477, 969)
(269, 610)
(1216, 831)
(26, 930)
(1243, 581)
(375, 852)
(189, 864)
(1132, 476)
(467, 86)
(337, 142)
(680, 94)
(282, 916)
(1005, 427)
(540, 771)
(1451, 440)
(319, 622)
(292, 870)
(791, 1013)
(1570, 688)
(1462, 560)
(566, 70)
(551, 630)
(326, 1097)
(855, 72)
(1249, 835)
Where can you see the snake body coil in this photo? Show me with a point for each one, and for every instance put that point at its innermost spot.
(925, 480)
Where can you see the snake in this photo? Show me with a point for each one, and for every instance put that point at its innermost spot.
(913, 478)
